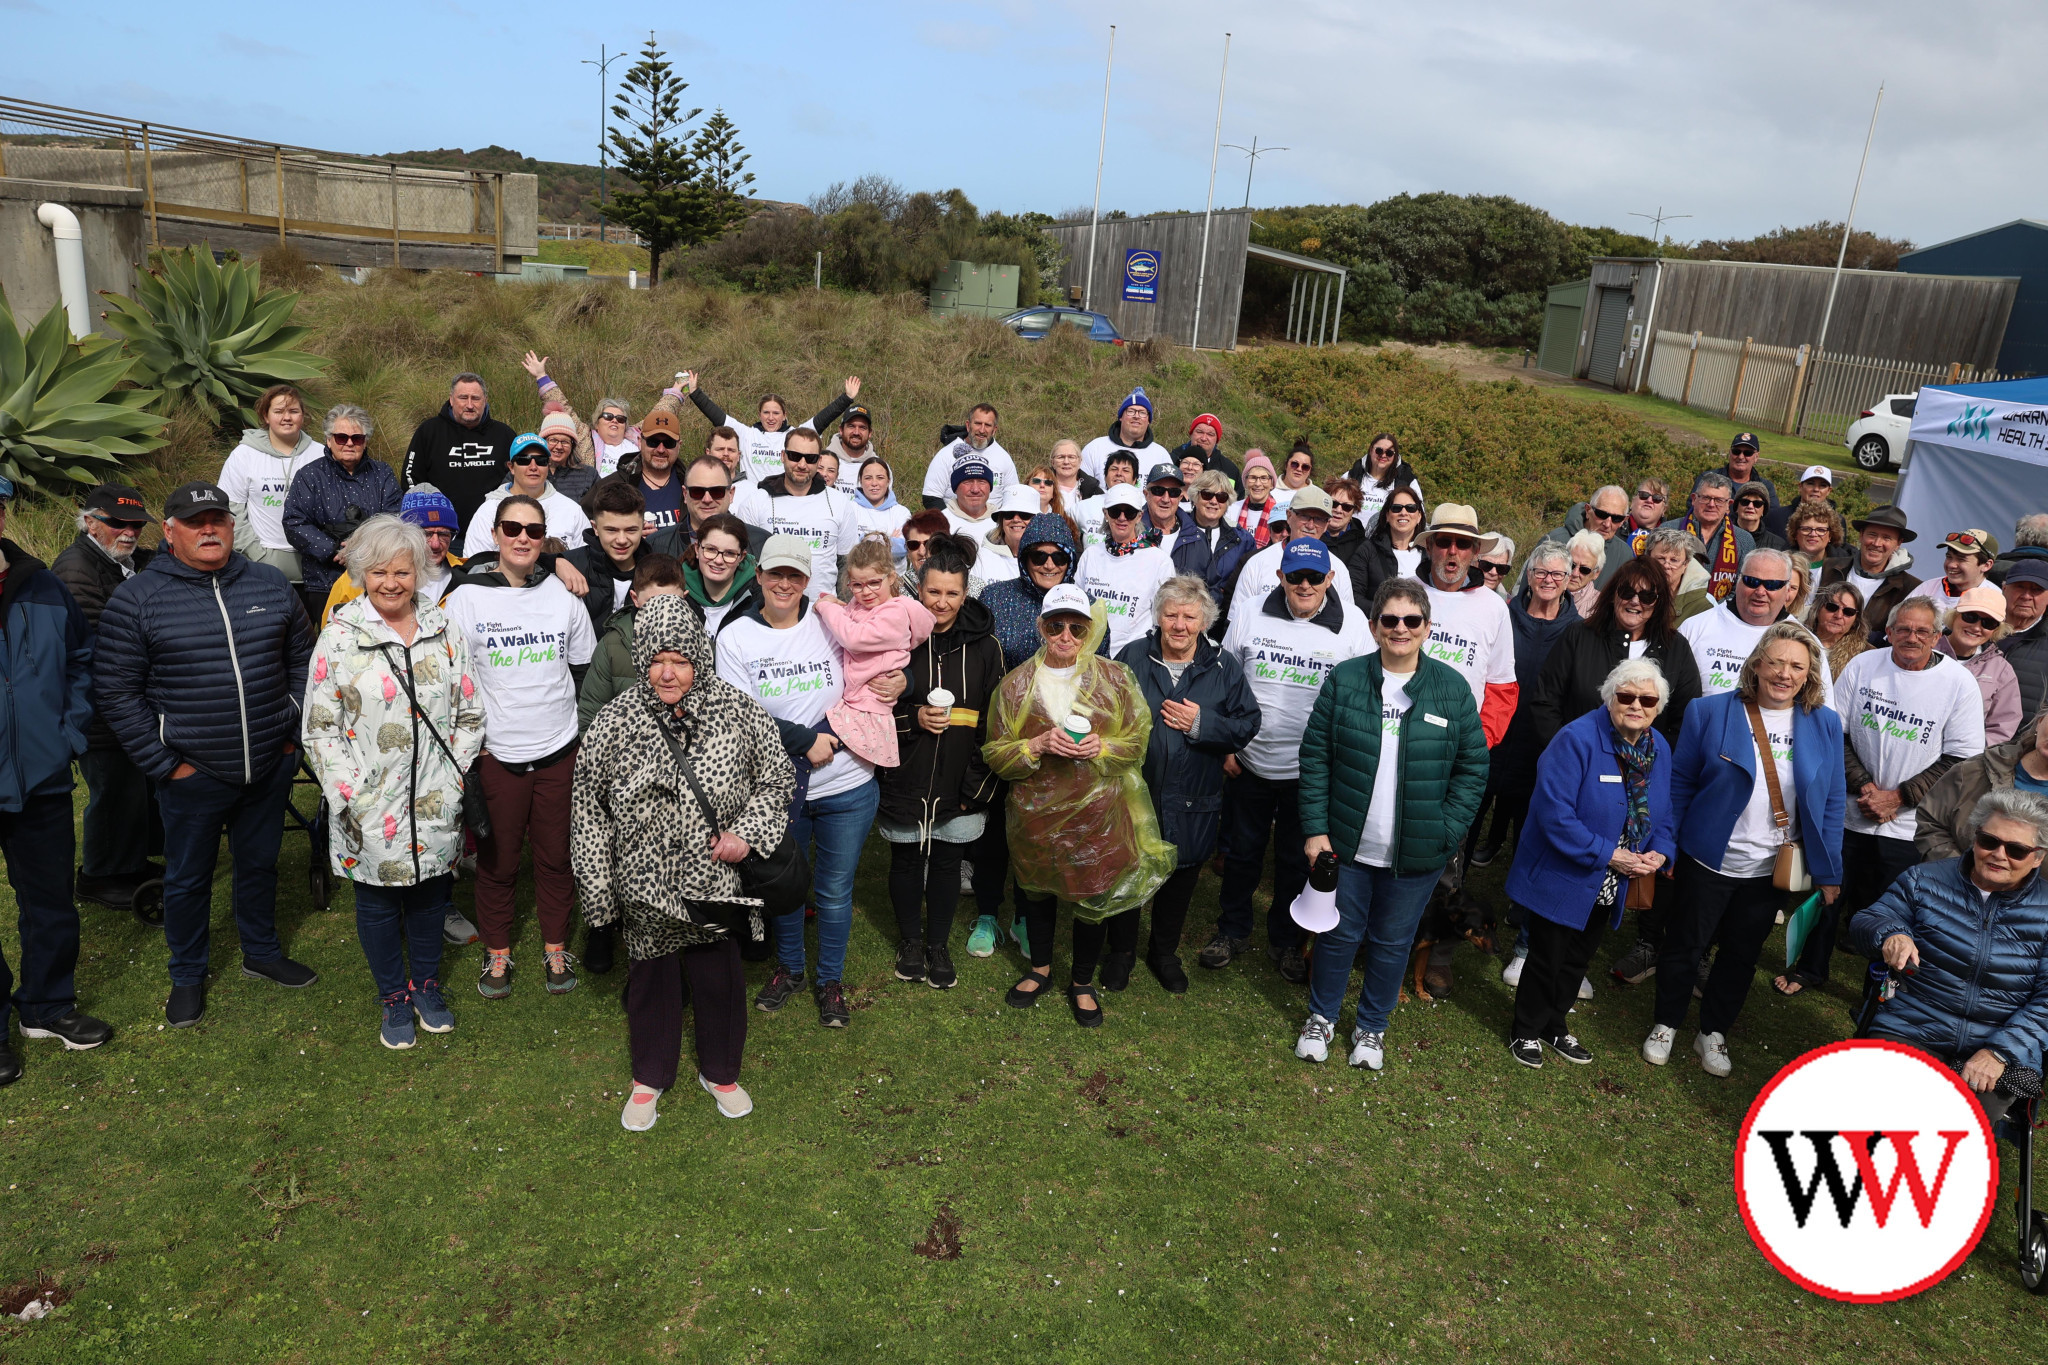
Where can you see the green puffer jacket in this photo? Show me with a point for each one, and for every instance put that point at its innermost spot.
(1443, 763)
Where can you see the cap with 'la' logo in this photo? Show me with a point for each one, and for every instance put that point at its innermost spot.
(197, 496)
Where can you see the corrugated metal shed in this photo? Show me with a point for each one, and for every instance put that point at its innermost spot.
(2018, 248)
(1564, 311)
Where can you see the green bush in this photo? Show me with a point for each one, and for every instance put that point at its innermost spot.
(63, 420)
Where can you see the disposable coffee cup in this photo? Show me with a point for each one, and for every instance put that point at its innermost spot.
(940, 698)
(1077, 727)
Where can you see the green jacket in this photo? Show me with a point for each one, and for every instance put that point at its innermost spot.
(611, 668)
(1443, 763)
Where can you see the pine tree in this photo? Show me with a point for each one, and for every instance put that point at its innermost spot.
(676, 204)
(724, 161)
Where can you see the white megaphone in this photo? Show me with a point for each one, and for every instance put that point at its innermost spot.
(1315, 909)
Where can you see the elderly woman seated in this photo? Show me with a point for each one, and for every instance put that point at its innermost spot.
(1970, 936)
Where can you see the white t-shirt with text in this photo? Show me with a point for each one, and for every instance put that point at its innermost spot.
(1376, 839)
(1471, 631)
(797, 675)
(1753, 843)
(1125, 585)
(1285, 660)
(258, 481)
(822, 518)
(522, 642)
(1900, 721)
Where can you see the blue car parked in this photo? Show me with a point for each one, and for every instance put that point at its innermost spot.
(1033, 324)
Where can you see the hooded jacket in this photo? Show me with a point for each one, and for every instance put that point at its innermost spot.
(465, 463)
(1215, 460)
(639, 843)
(257, 477)
(91, 575)
(1184, 772)
(325, 505)
(1940, 831)
(940, 776)
(203, 668)
(46, 674)
(394, 792)
(1216, 568)
(1013, 603)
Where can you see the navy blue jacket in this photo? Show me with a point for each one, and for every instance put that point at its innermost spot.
(1013, 603)
(1983, 977)
(1217, 568)
(46, 675)
(1716, 770)
(1575, 821)
(1186, 775)
(323, 495)
(203, 668)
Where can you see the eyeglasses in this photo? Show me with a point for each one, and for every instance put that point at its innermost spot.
(1121, 513)
(1709, 500)
(1054, 629)
(1978, 619)
(658, 442)
(437, 533)
(1390, 621)
(1645, 495)
(1903, 632)
(1312, 577)
(530, 457)
(1213, 497)
(1058, 559)
(532, 530)
(2019, 853)
(713, 552)
(346, 438)
(707, 492)
(1646, 596)
(1547, 575)
(1750, 580)
(1160, 490)
(1841, 609)
(1606, 516)
(1647, 700)
(804, 456)
(1343, 506)
(1403, 509)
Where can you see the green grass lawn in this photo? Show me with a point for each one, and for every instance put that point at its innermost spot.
(603, 258)
(1786, 449)
(273, 1185)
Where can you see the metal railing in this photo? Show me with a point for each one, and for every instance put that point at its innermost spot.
(588, 232)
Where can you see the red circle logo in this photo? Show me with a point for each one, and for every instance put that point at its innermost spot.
(1866, 1171)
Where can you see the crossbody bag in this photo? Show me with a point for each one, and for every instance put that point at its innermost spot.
(476, 812)
(1788, 870)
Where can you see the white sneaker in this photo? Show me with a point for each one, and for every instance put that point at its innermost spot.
(1369, 1050)
(1713, 1054)
(456, 928)
(1314, 1043)
(966, 877)
(1657, 1047)
(734, 1103)
(1585, 988)
(639, 1114)
(1512, 973)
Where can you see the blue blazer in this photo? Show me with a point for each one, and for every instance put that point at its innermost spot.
(1575, 820)
(1717, 769)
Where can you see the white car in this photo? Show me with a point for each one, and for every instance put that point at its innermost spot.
(1877, 438)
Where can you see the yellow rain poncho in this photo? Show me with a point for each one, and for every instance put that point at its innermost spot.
(1083, 831)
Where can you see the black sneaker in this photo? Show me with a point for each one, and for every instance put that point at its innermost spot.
(910, 960)
(1567, 1047)
(10, 1065)
(938, 968)
(1527, 1051)
(832, 1010)
(185, 1007)
(1637, 965)
(1170, 973)
(1291, 965)
(1087, 1016)
(599, 950)
(1485, 853)
(1218, 951)
(281, 970)
(782, 985)
(78, 1032)
(1116, 970)
(113, 893)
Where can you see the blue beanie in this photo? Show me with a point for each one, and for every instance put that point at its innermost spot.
(426, 506)
(1135, 399)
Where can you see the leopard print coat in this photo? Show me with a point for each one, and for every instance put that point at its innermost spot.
(638, 841)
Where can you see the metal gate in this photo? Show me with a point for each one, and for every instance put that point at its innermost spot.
(1610, 336)
(1560, 338)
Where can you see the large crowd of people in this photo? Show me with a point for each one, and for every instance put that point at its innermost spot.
(690, 688)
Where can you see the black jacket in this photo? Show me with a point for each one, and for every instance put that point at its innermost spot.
(1215, 460)
(325, 505)
(92, 575)
(1186, 775)
(2027, 652)
(1367, 564)
(465, 463)
(203, 668)
(940, 776)
(596, 566)
(1568, 685)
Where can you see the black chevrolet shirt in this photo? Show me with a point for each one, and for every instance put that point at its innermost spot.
(465, 463)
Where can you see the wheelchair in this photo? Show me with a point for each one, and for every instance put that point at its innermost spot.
(148, 904)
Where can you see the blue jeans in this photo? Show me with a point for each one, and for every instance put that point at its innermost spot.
(839, 825)
(395, 923)
(1255, 809)
(37, 842)
(1381, 910)
(196, 810)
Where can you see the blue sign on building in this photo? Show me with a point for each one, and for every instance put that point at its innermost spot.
(1141, 276)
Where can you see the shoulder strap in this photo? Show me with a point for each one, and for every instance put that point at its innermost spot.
(404, 676)
(1769, 763)
(689, 776)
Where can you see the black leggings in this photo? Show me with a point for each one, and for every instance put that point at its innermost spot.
(1041, 914)
(1170, 911)
(925, 876)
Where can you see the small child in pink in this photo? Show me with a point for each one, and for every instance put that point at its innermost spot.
(877, 631)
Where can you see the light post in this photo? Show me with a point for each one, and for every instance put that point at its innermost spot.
(603, 65)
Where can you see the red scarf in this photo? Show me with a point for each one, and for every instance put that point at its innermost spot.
(1260, 529)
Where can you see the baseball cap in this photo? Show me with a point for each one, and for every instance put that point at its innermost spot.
(197, 496)
(1744, 440)
(1972, 542)
(1984, 598)
(857, 413)
(427, 506)
(2034, 571)
(1304, 552)
(1163, 473)
(1818, 471)
(1123, 495)
(1065, 597)
(1311, 499)
(524, 442)
(786, 552)
(1019, 497)
(660, 421)
(976, 468)
(116, 501)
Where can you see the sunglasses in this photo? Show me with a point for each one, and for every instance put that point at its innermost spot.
(1581, 571)
(1493, 570)
(1767, 584)
(804, 456)
(347, 438)
(1054, 629)
(1978, 619)
(1757, 503)
(658, 442)
(1390, 621)
(2019, 853)
(1403, 509)
(611, 417)
(1343, 506)
(530, 457)
(1058, 559)
(1214, 497)
(1313, 577)
(1299, 468)
(1014, 516)
(1041, 483)
(1449, 542)
(1382, 450)
(1121, 513)
(1645, 495)
(118, 525)
(1606, 516)
(532, 530)
(1161, 490)
(1841, 609)
(916, 543)
(1646, 596)
(1647, 700)
(707, 492)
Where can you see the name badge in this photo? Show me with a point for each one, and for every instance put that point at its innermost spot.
(1436, 720)
(1611, 777)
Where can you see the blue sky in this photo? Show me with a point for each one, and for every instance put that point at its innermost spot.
(1741, 113)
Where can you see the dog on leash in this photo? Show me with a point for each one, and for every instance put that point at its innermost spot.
(1453, 915)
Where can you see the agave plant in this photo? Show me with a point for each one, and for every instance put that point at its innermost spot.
(61, 418)
(210, 332)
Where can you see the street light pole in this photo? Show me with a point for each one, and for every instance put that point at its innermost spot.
(1253, 152)
(603, 65)
(1834, 283)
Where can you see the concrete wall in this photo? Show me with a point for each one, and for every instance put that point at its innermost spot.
(111, 221)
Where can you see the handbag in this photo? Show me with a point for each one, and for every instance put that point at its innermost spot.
(1788, 872)
(780, 880)
(476, 812)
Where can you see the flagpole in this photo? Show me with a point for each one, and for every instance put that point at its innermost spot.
(1215, 148)
(1101, 146)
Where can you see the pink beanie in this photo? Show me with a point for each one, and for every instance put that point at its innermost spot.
(558, 421)
(1256, 459)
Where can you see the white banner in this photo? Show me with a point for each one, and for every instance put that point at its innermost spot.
(2012, 431)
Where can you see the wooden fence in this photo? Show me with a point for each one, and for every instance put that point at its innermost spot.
(588, 232)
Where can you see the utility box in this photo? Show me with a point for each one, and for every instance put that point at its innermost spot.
(967, 289)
